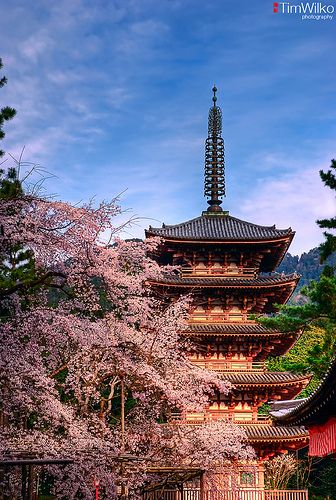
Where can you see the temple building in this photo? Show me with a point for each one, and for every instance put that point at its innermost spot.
(228, 265)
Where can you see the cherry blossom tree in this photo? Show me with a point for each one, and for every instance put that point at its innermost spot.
(92, 361)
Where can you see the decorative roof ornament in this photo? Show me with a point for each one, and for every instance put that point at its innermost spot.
(214, 175)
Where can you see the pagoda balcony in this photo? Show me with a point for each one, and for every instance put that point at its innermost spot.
(225, 316)
(207, 417)
(233, 494)
(232, 272)
(238, 365)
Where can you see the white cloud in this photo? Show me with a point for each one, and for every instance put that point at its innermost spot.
(294, 199)
(36, 45)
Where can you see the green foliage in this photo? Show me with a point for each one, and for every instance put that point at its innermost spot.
(6, 113)
(10, 185)
(17, 263)
(319, 310)
(317, 320)
(329, 245)
(303, 358)
(323, 480)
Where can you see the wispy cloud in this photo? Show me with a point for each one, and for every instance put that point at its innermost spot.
(293, 199)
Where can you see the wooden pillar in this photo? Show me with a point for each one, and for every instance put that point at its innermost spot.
(24, 483)
(202, 495)
(30, 487)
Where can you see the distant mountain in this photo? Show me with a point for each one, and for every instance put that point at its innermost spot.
(307, 265)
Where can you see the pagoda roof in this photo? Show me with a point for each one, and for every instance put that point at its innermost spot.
(220, 227)
(315, 409)
(251, 378)
(231, 329)
(230, 282)
(258, 433)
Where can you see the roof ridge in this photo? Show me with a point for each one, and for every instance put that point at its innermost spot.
(220, 216)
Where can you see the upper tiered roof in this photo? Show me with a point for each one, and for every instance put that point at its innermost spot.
(220, 227)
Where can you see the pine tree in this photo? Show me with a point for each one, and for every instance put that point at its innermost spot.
(329, 245)
(6, 113)
(17, 263)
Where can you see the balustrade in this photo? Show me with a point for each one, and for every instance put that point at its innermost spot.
(236, 365)
(215, 317)
(203, 418)
(239, 272)
(234, 494)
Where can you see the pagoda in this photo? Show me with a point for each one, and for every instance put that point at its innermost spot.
(228, 265)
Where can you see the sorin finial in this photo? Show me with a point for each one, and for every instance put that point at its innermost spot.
(214, 182)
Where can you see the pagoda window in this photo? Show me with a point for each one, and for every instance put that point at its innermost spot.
(232, 268)
(235, 314)
(217, 268)
(199, 313)
(200, 259)
(247, 478)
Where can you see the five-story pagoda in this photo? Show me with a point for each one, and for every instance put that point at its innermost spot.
(228, 265)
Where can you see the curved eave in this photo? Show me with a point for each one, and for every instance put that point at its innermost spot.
(267, 379)
(233, 330)
(226, 283)
(281, 255)
(318, 407)
(222, 241)
(274, 434)
(221, 227)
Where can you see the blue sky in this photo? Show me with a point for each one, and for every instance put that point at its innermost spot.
(114, 95)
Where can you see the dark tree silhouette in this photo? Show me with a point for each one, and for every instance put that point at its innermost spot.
(329, 245)
(6, 113)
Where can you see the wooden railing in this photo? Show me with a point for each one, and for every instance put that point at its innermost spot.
(239, 271)
(238, 494)
(237, 365)
(225, 316)
(215, 416)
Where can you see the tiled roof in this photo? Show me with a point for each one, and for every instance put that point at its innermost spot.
(228, 282)
(265, 378)
(319, 406)
(281, 408)
(232, 328)
(258, 433)
(219, 227)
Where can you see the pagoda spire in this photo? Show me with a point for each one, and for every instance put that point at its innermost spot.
(214, 175)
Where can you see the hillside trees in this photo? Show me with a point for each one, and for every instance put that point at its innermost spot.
(81, 326)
